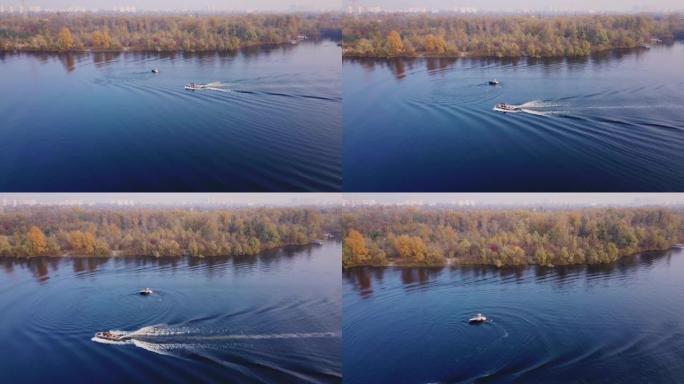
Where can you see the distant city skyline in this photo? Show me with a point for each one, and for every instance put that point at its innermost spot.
(516, 199)
(170, 199)
(517, 6)
(177, 5)
(335, 199)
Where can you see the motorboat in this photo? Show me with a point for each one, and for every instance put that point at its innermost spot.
(145, 292)
(505, 108)
(109, 335)
(318, 242)
(155, 70)
(195, 87)
(477, 319)
(494, 82)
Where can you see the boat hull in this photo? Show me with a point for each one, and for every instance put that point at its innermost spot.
(502, 110)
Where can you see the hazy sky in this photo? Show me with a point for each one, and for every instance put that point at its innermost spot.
(535, 199)
(507, 5)
(174, 198)
(281, 5)
(290, 199)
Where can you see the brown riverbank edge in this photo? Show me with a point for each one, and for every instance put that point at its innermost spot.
(454, 262)
(123, 254)
(145, 50)
(467, 55)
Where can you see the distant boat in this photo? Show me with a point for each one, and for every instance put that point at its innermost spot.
(494, 82)
(155, 70)
(318, 242)
(195, 87)
(477, 319)
(145, 292)
(645, 46)
(506, 108)
(294, 42)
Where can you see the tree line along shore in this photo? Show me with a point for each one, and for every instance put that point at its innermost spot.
(29, 232)
(90, 32)
(515, 237)
(401, 35)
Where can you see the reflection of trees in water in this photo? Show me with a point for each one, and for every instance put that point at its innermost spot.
(68, 61)
(41, 268)
(101, 58)
(363, 278)
(419, 276)
(89, 264)
(436, 65)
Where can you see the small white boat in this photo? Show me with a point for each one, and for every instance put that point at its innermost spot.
(477, 319)
(506, 108)
(155, 70)
(195, 87)
(494, 82)
(108, 335)
(145, 292)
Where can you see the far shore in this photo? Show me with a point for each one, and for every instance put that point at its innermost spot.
(147, 50)
(470, 55)
(122, 254)
(460, 262)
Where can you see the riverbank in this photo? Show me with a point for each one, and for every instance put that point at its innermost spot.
(29, 232)
(122, 254)
(347, 53)
(460, 262)
(84, 50)
(54, 32)
(454, 36)
(505, 237)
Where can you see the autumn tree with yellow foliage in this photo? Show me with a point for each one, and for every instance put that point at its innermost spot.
(28, 232)
(35, 240)
(65, 40)
(354, 249)
(395, 46)
(101, 40)
(406, 35)
(437, 236)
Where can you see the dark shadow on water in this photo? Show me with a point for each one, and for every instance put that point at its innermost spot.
(439, 65)
(70, 61)
(363, 279)
(42, 268)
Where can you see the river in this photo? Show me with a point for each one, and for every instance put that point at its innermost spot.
(270, 121)
(622, 322)
(610, 122)
(271, 318)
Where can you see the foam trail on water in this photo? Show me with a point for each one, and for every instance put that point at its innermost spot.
(159, 330)
(310, 335)
(217, 86)
(162, 349)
